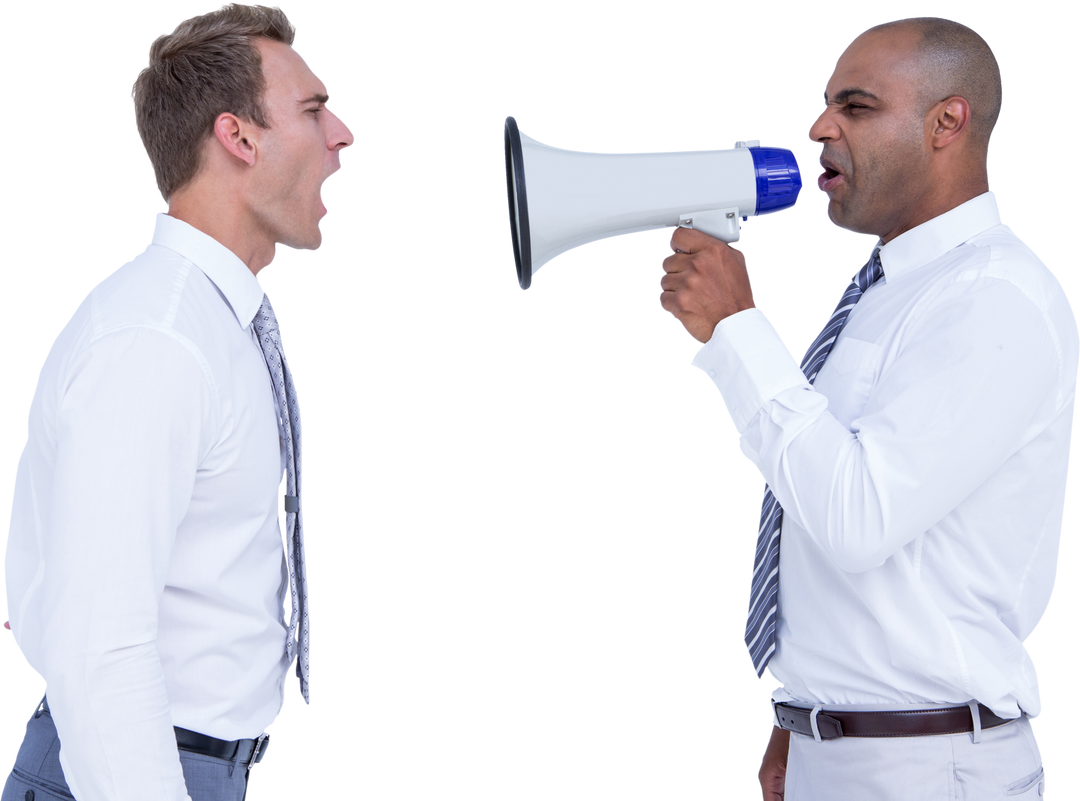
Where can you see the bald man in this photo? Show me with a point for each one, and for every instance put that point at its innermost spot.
(916, 463)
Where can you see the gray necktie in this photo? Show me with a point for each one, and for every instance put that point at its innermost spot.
(266, 327)
(761, 621)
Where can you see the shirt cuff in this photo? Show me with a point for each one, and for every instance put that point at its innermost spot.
(749, 364)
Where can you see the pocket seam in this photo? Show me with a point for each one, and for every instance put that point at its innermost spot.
(854, 354)
(1021, 786)
(42, 784)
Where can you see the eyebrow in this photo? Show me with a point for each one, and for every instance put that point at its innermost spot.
(846, 94)
(315, 99)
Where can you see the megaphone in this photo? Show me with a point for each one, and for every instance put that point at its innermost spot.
(574, 198)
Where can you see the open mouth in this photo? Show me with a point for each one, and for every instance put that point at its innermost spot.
(829, 179)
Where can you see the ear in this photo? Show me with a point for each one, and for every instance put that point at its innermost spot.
(949, 119)
(236, 136)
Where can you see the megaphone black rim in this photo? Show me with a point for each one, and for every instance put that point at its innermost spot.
(515, 184)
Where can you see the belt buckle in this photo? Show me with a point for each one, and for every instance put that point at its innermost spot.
(256, 752)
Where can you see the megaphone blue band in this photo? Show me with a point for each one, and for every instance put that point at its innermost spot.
(778, 179)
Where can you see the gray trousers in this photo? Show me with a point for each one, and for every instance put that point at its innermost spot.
(1004, 764)
(37, 775)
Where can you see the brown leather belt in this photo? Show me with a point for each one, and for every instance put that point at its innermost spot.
(833, 723)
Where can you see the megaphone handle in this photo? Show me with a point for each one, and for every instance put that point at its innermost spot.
(722, 224)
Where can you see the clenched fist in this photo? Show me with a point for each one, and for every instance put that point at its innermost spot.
(704, 282)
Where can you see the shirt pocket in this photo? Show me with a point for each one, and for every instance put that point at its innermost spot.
(848, 376)
(1028, 784)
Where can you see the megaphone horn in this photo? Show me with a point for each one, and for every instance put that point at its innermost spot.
(574, 198)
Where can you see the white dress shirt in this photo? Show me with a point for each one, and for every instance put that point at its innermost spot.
(922, 476)
(145, 567)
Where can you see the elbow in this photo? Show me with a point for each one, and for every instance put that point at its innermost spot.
(858, 554)
(858, 559)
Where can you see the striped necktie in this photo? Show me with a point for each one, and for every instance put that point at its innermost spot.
(296, 642)
(761, 622)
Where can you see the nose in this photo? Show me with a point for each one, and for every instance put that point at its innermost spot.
(824, 128)
(343, 136)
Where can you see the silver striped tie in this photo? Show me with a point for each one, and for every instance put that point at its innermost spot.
(761, 621)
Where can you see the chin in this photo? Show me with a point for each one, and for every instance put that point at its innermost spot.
(304, 240)
(304, 248)
(847, 227)
(836, 215)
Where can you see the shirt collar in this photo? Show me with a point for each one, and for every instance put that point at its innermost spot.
(936, 237)
(223, 267)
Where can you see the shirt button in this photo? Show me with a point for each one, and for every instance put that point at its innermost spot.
(712, 374)
(29, 795)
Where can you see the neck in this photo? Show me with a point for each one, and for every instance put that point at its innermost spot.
(936, 205)
(228, 223)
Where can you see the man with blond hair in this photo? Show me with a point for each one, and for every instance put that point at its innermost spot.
(916, 460)
(145, 571)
